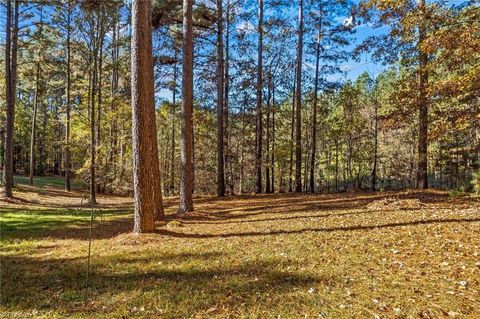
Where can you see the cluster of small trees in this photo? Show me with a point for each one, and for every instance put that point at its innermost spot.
(262, 107)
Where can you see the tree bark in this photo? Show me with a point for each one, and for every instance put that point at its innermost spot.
(31, 170)
(146, 173)
(186, 182)
(228, 164)
(11, 35)
(171, 187)
(267, 146)
(375, 150)
(273, 139)
(93, 194)
(298, 134)
(220, 101)
(422, 173)
(314, 117)
(292, 130)
(68, 106)
(259, 126)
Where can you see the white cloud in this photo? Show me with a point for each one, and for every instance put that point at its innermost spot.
(348, 22)
(346, 67)
(246, 26)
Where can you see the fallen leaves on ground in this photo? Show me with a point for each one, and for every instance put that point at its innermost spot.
(375, 255)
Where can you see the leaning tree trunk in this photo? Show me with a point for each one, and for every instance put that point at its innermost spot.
(220, 101)
(298, 131)
(422, 175)
(186, 171)
(259, 128)
(146, 173)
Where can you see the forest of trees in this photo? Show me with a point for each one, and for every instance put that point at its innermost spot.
(239, 96)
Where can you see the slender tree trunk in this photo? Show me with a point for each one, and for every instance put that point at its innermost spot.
(31, 170)
(292, 130)
(193, 157)
(186, 183)
(314, 118)
(146, 173)
(42, 165)
(336, 164)
(174, 129)
(227, 156)
(242, 144)
(68, 106)
(298, 149)
(267, 150)
(113, 156)
(8, 142)
(220, 101)
(10, 87)
(273, 138)
(2, 141)
(93, 194)
(99, 96)
(99, 104)
(375, 149)
(259, 127)
(422, 173)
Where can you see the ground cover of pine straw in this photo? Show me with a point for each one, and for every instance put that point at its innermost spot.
(382, 255)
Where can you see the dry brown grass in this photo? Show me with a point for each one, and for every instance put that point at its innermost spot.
(271, 256)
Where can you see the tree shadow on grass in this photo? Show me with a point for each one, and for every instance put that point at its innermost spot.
(58, 284)
(167, 232)
(74, 223)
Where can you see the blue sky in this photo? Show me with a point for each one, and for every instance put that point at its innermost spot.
(352, 69)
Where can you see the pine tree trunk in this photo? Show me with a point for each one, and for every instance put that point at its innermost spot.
(171, 187)
(422, 173)
(273, 139)
(259, 126)
(146, 173)
(220, 101)
(267, 146)
(99, 105)
(292, 130)
(31, 170)
(298, 124)
(68, 106)
(227, 156)
(93, 194)
(314, 117)
(242, 144)
(10, 88)
(186, 178)
(375, 150)
(336, 164)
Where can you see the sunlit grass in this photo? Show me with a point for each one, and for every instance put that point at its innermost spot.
(46, 181)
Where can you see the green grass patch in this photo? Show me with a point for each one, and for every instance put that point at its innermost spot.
(46, 181)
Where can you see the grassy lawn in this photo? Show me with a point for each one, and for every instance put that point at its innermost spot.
(277, 256)
(45, 181)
